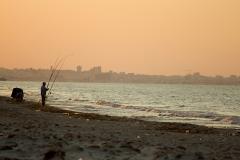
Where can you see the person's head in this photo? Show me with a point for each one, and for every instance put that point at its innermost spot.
(44, 83)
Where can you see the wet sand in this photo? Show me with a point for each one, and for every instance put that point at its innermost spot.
(28, 132)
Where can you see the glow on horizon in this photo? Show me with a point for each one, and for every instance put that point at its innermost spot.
(140, 36)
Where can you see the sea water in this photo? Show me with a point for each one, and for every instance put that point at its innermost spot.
(209, 105)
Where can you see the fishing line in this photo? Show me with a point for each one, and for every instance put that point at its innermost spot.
(53, 69)
(60, 63)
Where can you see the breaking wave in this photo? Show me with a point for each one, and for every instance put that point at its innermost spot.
(181, 114)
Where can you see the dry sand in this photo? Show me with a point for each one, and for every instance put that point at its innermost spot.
(28, 133)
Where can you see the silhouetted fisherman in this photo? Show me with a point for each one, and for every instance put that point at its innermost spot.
(44, 90)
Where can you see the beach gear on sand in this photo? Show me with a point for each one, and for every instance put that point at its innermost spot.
(17, 93)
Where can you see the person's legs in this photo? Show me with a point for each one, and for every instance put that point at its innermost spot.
(43, 100)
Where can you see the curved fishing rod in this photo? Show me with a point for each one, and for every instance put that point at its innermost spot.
(55, 78)
(53, 69)
(57, 74)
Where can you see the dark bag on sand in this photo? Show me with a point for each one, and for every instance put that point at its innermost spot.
(17, 93)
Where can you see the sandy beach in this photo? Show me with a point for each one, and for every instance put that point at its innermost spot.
(29, 132)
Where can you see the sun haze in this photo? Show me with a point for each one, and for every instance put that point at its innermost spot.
(141, 36)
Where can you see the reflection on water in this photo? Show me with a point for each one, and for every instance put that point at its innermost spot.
(212, 105)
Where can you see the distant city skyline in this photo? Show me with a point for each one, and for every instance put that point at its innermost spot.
(160, 37)
(100, 69)
(96, 74)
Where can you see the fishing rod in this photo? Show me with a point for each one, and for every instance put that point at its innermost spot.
(55, 78)
(53, 69)
(62, 61)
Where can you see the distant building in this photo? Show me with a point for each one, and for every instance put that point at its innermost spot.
(131, 74)
(79, 68)
(2, 79)
(196, 74)
(96, 70)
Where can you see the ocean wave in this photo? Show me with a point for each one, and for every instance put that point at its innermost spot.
(228, 119)
(105, 103)
(173, 113)
(80, 100)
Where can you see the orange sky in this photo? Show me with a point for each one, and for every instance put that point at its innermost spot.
(141, 36)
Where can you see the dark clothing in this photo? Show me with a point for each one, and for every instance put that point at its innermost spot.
(43, 100)
(43, 94)
(44, 90)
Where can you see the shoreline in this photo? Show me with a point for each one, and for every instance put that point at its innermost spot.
(62, 134)
(187, 127)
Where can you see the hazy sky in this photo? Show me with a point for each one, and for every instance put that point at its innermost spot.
(141, 36)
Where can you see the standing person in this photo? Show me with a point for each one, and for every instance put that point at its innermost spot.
(44, 90)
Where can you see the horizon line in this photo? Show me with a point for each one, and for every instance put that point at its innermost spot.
(135, 73)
